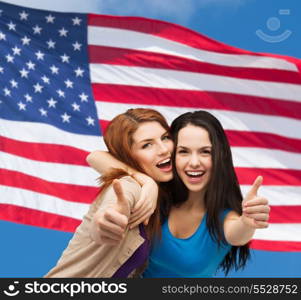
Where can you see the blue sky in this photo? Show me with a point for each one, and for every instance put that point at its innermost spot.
(234, 22)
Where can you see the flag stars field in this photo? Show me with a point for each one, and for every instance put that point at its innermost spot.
(41, 47)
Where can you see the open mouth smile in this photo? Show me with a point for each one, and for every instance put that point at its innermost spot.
(164, 165)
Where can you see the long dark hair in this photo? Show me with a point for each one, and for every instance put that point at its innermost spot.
(223, 191)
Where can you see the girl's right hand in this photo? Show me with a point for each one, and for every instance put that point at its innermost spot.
(109, 225)
(256, 209)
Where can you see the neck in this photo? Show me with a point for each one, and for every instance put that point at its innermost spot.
(195, 200)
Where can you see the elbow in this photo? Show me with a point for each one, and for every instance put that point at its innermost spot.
(91, 158)
(237, 241)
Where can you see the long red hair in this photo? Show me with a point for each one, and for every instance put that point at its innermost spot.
(118, 138)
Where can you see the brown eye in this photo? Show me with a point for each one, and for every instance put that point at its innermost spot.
(146, 145)
(206, 151)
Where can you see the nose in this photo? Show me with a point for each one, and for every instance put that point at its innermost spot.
(194, 161)
(163, 149)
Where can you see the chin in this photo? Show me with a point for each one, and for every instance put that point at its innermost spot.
(194, 188)
(163, 178)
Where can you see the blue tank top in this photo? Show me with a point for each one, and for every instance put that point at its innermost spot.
(196, 256)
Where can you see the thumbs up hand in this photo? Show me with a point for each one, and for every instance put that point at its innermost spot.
(255, 209)
(110, 223)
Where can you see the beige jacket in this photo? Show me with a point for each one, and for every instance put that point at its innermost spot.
(85, 258)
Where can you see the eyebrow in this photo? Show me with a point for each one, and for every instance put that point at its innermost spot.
(149, 140)
(204, 147)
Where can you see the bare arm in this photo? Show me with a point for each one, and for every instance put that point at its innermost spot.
(239, 230)
(103, 161)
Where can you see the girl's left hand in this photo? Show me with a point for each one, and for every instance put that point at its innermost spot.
(255, 209)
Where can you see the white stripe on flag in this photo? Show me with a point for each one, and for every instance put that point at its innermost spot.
(31, 132)
(265, 158)
(280, 232)
(277, 195)
(42, 202)
(230, 120)
(53, 172)
(182, 80)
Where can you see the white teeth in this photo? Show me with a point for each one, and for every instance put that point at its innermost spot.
(195, 173)
(164, 161)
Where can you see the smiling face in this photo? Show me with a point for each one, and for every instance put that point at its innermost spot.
(193, 158)
(152, 148)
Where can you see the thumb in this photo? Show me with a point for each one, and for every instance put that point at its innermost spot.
(121, 199)
(254, 189)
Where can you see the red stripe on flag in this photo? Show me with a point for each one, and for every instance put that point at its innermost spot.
(285, 214)
(69, 192)
(195, 99)
(146, 59)
(103, 125)
(270, 176)
(288, 246)
(34, 217)
(263, 140)
(44, 152)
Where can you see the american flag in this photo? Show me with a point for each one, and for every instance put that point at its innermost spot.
(64, 76)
